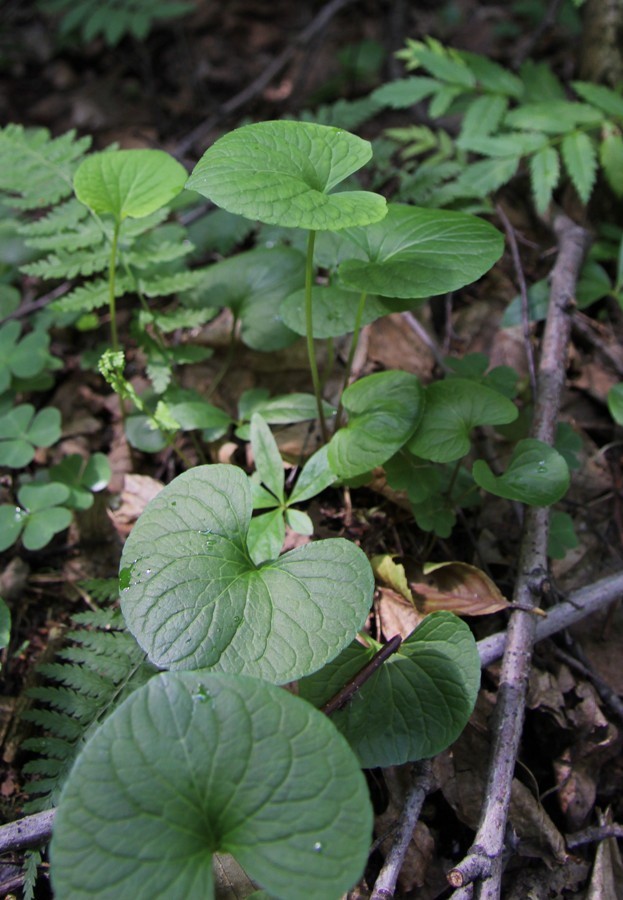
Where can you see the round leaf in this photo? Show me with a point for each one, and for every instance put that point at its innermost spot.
(420, 252)
(416, 704)
(537, 475)
(12, 520)
(42, 526)
(193, 597)
(282, 172)
(383, 409)
(128, 183)
(453, 408)
(334, 311)
(199, 763)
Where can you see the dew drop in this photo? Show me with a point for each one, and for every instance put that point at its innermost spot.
(236, 619)
(201, 695)
(317, 847)
(541, 467)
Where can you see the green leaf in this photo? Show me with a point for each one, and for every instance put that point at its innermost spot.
(485, 176)
(36, 497)
(504, 145)
(128, 183)
(562, 536)
(383, 410)
(611, 159)
(42, 526)
(268, 461)
(544, 175)
(82, 477)
(299, 521)
(538, 304)
(419, 701)
(580, 158)
(483, 115)
(12, 521)
(287, 408)
(452, 408)
(193, 597)
(21, 431)
(553, 116)
(593, 284)
(266, 535)
(197, 763)
(253, 285)
(602, 97)
(334, 311)
(282, 172)
(5, 624)
(615, 403)
(421, 252)
(537, 475)
(491, 76)
(315, 477)
(405, 92)
(141, 434)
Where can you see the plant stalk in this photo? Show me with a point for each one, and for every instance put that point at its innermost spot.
(351, 354)
(112, 273)
(309, 328)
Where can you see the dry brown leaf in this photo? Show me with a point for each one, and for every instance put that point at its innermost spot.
(607, 875)
(459, 588)
(137, 491)
(396, 615)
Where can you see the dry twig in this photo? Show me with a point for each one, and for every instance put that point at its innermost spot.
(483, 862)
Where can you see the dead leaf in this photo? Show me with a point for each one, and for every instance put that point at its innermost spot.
(392, 574)
(396, 615)
(137, 491)
(458, 588)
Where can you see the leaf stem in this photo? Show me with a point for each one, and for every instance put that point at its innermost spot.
(351, 354)
(309, 328)
(112, 272)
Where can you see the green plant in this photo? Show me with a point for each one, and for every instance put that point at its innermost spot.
(113, 18)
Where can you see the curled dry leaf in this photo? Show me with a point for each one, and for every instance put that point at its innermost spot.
(458, 588)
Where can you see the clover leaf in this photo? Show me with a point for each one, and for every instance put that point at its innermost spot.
(416, 704)
(39, 517)
(22, 431)
(193, 597)
(282, 173)
(23, 358)
(198, 763)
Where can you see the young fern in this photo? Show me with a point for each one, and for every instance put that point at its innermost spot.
(101, 666)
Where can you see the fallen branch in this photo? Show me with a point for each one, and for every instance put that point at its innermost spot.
(31, 831)
(314, 28)
(483, 862)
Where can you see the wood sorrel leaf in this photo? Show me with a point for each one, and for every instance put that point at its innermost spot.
(253, 285)
(416, 704)
(282, 173)
(198, 763)
(383, 409)
(453, 408)
(537, 475)
(421, 252)
(193, 597)
(128, 183)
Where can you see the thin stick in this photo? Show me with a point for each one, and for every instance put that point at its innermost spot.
(349, 690)
(523, 293)
(31, 831)
(257, 86)
(593, 834)
(483, 861)
(421, 785)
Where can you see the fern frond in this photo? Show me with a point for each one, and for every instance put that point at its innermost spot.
(165, 285)
(101, 590)
(64, 217)
(85, 262)
(185, 317)
(101, 665)
(36, 170)
(88, 297)
(348, 114)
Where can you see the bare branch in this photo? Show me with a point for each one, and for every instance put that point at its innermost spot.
(483, 862)
(31, 831)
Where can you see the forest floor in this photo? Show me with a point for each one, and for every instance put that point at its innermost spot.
(175, 91)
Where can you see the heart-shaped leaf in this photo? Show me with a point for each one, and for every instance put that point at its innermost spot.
(416, 704)
(12, 521)
(197, 763)
(537, 475)
(43, 525)
(453, 408)
(193, 597)
(334, 311)
(21, 431)
(282, 172)
(383, 409)
(128, 183)
(421, 252)
(253, 285)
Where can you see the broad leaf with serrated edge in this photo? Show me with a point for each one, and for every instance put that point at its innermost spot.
(192, 596)
(383, 409)
(197, 763)
(128, 183)
(580, 158)
(452, 409)
(416, 704)
(282, 173)
(536, 474)
(421, 252)
(544, 175)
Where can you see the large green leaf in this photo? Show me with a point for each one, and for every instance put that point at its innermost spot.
(253, 285)
(383, 409)
(334, 310)
(453, 408)
(421, 252)
(536, 474)
(282, 172)
(198, 763)
(416, 704)
(128, 183)
(193, 597)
